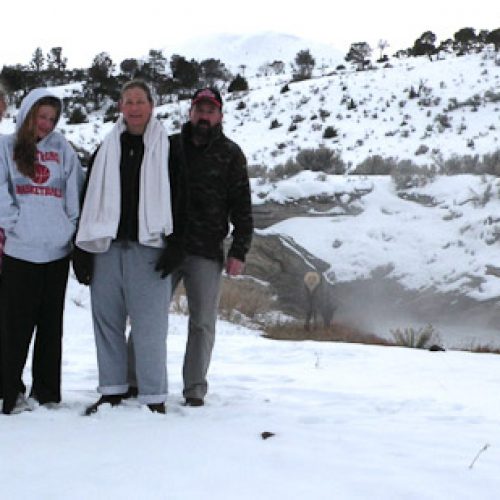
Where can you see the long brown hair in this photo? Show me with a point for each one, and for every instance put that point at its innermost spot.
(25, 145)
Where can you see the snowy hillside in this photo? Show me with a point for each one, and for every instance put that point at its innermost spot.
(457, 112)
(385, 120)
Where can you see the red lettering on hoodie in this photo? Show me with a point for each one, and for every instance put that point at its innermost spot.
(47, 156)
(38, 190)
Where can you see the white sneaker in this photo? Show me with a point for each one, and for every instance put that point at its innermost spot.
(22, 404)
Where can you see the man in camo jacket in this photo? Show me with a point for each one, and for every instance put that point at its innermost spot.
(218, 195)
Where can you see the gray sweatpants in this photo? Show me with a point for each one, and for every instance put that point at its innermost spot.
(202, 280)
(125, 284)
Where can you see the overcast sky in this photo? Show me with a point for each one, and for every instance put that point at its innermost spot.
(130, 29)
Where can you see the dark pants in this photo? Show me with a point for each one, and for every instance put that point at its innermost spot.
(1, 362)
(32, 297)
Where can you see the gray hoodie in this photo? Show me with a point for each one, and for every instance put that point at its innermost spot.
(39, 214)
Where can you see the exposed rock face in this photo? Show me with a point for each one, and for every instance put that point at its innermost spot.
(267, 214)
(278, 260)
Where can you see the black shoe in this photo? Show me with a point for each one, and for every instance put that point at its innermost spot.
(113, 400)
(194, 402)
(132, 392)
(158, 408)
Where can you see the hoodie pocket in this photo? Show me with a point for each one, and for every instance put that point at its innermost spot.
(46, 226)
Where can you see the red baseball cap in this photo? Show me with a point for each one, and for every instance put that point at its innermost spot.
(207, 94)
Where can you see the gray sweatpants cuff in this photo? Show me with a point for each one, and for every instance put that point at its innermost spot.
(151, 399)
(112, 390)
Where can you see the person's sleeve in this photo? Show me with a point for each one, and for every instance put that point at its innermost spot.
(9, 212)
(74, 184)
(178, 195)
(174, 251)
(240, 208)
(82, 261)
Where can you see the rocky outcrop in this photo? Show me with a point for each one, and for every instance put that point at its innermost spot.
(344, 203)
(278, 260)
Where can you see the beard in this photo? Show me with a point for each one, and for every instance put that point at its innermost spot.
(203, 132)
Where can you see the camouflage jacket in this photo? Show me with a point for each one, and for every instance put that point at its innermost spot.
(218, 193)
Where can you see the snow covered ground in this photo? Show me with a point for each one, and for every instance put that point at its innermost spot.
(349, 422)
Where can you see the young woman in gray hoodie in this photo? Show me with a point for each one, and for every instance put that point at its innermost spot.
(40, 182)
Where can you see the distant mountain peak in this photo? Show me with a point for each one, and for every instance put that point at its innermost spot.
(253, 50)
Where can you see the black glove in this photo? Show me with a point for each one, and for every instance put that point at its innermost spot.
(83, 265)
(171, 258)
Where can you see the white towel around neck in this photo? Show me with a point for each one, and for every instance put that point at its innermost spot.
(100, 215)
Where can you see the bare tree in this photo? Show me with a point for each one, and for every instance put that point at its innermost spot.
(382, 45)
